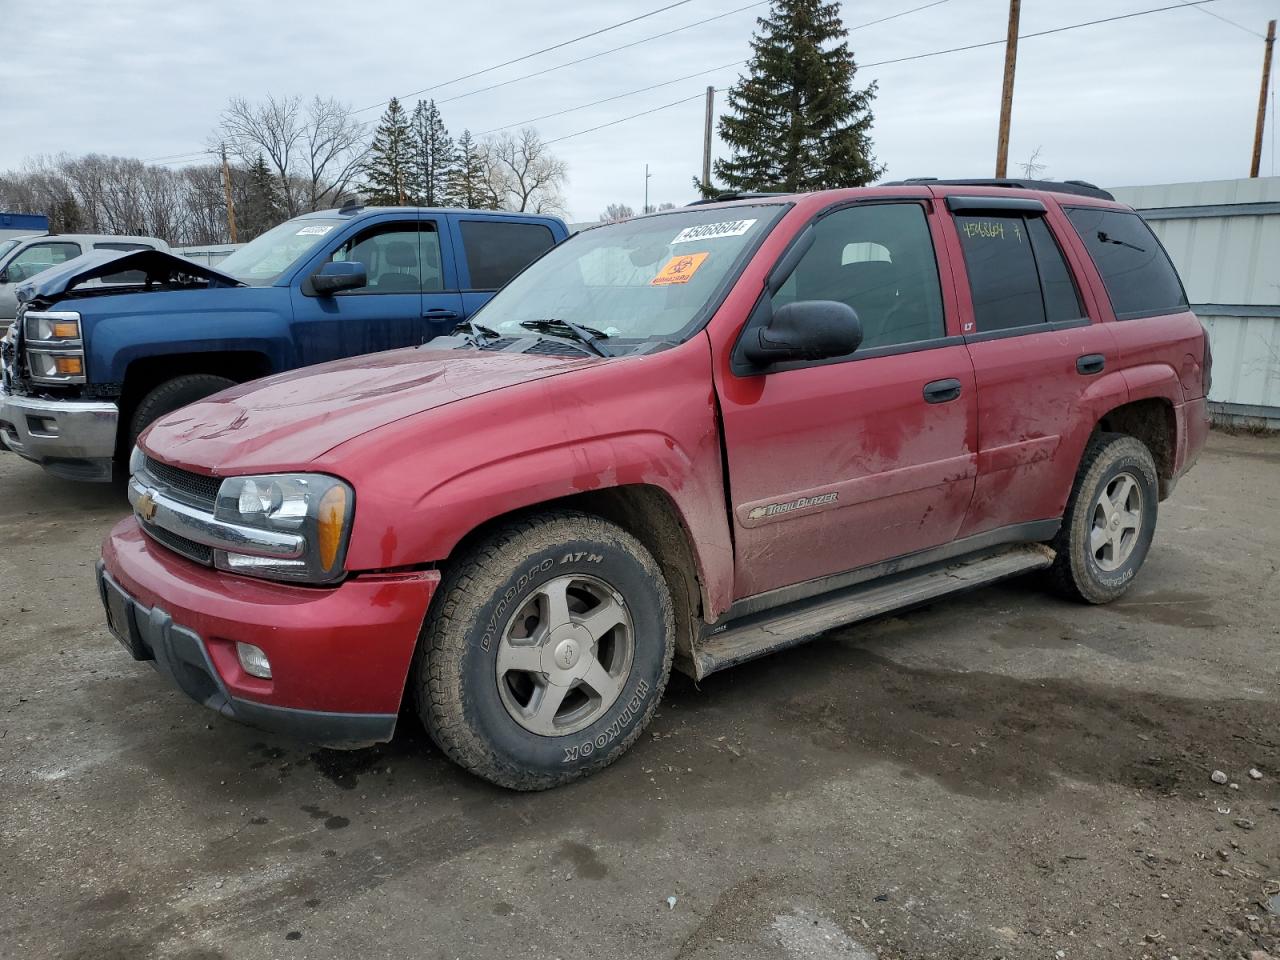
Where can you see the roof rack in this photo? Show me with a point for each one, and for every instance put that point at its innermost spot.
(737, 195)
(1080, 188)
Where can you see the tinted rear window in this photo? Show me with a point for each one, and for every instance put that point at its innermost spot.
(1139, 278)
(497, 251)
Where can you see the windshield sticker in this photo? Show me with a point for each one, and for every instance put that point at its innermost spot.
(319, 230)
(679, 269)
(713, 231)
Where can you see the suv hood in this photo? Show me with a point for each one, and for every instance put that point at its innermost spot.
(162, 270)
(284, 422)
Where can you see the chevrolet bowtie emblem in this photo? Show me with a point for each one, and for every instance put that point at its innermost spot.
(146, 507)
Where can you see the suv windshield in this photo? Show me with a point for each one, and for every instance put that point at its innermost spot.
(262, 260)
(642, 279)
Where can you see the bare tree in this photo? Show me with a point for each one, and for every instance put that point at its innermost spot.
(522, 174)
(315, 149)
(1032, 168)
(616, 212)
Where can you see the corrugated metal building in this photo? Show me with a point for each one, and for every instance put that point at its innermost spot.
(1224, 236)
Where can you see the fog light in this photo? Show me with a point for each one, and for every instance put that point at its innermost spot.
(253, 660)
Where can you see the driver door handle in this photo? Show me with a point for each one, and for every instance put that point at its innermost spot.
(440, 313)
(941, 391)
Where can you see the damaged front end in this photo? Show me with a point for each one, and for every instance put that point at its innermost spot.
(50, 411)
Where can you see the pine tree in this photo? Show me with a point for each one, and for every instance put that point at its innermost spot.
(795, 122)
(261, 207)
(468, 179)
(388, 167)
(433, 156)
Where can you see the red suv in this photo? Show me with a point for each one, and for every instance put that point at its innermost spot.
(700, 436)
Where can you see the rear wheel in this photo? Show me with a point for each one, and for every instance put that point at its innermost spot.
(170, 396)
(1109, 522)
(546, 651)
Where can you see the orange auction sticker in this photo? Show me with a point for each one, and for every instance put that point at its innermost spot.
(678, 269)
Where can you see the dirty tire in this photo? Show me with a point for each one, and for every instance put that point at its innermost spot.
(172, 395)
(456, 682)
(1076, 573)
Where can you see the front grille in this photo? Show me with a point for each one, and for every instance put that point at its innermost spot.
(180, 544)
(193, 488)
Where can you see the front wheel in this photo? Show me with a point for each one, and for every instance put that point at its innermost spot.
(1109, 522)
(546, 652)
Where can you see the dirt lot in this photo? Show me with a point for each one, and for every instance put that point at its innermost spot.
(999, 775)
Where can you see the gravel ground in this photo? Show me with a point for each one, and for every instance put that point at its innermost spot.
(997, 775)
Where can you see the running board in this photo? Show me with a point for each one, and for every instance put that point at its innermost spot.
(795, 623)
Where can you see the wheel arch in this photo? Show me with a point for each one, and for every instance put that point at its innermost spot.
(1152, 421)
(649, 514)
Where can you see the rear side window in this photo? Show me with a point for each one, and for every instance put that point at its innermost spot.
(1017, 274)
(497, 251)
(121, 246)
(1139, 278)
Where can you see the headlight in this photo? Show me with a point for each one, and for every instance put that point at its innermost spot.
(136, 460)
(317, 507)
(55, 352)
(50, 326)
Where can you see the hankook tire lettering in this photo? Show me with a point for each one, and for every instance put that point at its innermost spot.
(613, 730)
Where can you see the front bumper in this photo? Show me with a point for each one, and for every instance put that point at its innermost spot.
(70, 438)
(339, 656)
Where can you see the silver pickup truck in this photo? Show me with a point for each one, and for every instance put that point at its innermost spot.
(21, 258)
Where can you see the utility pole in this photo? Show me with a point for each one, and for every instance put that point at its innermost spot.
(706, 141)
(1262, 100)
(1006, 96)
(647, 175)
(226, 190)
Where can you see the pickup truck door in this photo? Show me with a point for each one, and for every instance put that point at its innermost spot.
(25, 264)
(1042, 364)
(411, 296)
(837, 464)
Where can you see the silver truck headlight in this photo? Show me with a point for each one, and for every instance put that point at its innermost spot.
(55, 349)
(320, 508)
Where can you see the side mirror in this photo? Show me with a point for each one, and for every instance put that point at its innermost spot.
(805, 330)
(339, 275)
(14, 273)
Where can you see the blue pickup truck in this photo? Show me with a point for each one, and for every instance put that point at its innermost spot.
(88, 367)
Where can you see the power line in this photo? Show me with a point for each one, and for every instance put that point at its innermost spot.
(1028, 36)
(602, 53)
(1218, 16)
(596, 103)
(181, 157)
(612, 123)
(535, 53)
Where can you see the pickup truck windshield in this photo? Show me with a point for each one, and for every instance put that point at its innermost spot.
(637, 280)
(262, 260)
(6, 246)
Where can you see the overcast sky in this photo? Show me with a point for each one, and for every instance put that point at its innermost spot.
(1160, 98)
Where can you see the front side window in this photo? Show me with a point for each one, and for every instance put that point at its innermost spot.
(650, 278)
(1137, 274)
(497, 251)
(45, 255)
(879, 259)
(397, 257)
(1017, 274)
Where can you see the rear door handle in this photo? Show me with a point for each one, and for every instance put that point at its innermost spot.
(1090, 364)
(941, 391)
(440, 313)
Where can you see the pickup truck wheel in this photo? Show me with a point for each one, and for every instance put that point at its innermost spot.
(170, 396)
(1109, 522)
(546, 651)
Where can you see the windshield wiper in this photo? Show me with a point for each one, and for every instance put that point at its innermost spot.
(568, 330)
(477, 330)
